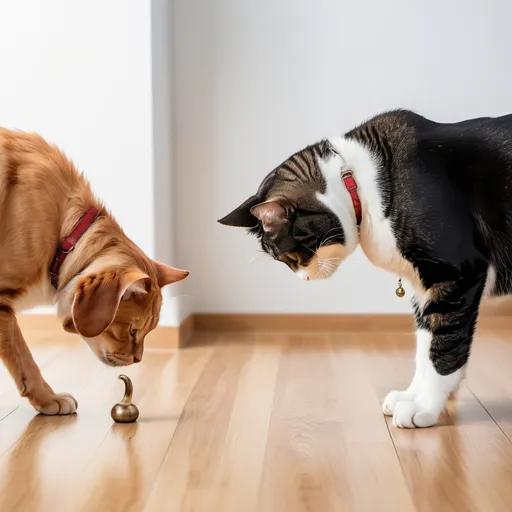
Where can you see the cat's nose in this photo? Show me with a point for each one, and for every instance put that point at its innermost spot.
(137, 354)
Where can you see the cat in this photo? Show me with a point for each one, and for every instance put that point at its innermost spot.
(59, 245)
(430, 202)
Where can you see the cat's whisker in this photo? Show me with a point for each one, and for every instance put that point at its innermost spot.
(332, 237)
(182, 296)
(314, 252)
(257, 257)
(329, 260)
(329, 266)
(327, 234)
(325, 272)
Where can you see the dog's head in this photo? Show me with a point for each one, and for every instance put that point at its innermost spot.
(114, 308)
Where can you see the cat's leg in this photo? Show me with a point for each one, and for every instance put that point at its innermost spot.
(409, 394)
(16, 356)
(433, 393)
(423, 341)
(447, 325)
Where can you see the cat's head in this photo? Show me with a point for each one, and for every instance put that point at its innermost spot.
(114, 307)
(292, 214)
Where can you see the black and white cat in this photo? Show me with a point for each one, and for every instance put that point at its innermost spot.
(433, 205)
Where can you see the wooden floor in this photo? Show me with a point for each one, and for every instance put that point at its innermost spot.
(267, 422)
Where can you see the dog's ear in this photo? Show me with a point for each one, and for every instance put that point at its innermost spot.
(97, 299)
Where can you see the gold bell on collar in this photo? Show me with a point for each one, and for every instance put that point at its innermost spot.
(400, 292)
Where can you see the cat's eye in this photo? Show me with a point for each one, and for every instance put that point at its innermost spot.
(133, 334)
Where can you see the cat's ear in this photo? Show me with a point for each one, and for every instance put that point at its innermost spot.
(242, 217)
(139, 287)
(271, 214)
(97, 299)
(166, 274)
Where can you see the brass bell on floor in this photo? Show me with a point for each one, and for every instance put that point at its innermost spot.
(125, 411)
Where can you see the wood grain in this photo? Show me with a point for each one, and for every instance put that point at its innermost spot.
(324, 437)
(217, 453)
(258, 422)
(446, 467)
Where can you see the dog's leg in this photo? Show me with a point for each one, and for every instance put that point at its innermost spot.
(16, 356)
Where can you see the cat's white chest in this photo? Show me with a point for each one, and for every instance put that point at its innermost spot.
(379, 245)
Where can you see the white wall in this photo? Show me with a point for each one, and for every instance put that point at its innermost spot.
(83, 74)
(80, 75)
(237, 86)
(164, 215)
(255, 80)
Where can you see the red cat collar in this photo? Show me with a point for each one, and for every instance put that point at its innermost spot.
(68, 244)
(351, 186)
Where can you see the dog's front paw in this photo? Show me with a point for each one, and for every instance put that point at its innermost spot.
(414, 414)
(60, 403)
(393, 397)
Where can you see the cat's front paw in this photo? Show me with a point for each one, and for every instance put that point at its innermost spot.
(393, 397)
(59, 403)
(414, 414)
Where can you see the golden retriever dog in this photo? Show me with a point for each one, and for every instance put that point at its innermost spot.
(59, 245)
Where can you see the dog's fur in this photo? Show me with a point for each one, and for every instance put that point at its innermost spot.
(109, 291)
